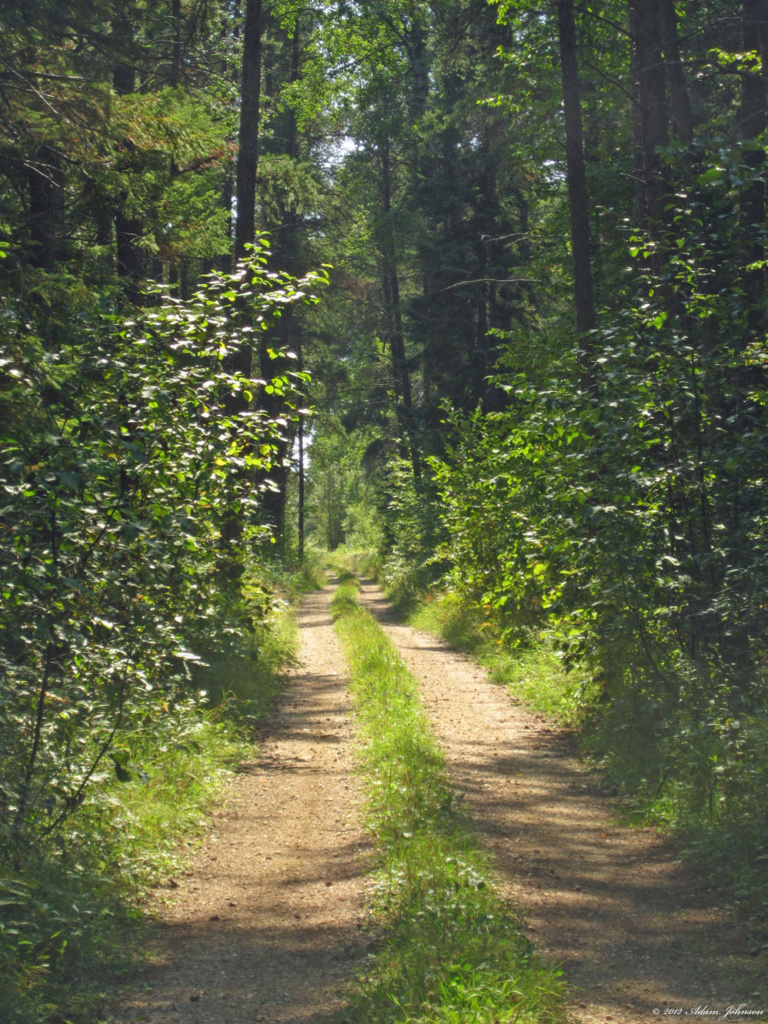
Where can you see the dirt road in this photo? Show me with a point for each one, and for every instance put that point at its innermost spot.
(267, 922)
(635, 934)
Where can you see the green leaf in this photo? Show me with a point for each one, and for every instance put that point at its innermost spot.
(713, 174)
(69, 479)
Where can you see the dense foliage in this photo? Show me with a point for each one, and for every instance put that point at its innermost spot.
(539, 374)
(571, 435)
(122, 468)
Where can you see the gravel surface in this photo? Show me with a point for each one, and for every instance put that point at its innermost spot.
(635, 934)
(266, 923)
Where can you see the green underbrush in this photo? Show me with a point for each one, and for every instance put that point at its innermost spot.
(702, 780)
(71, 924)
(534, 674)
(301, 579)
(453, 949)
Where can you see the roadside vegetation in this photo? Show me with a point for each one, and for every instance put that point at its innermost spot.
(453, 950)
(635, 749)
(72, 920)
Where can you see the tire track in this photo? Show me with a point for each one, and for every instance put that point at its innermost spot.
(266, 922)
(635, 934)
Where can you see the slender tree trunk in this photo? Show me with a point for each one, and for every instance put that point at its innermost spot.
(391, 288)
(240, 361)
(649, 97)
(224, 263)
(682, 118)
(577, 180)
(250, 106)
(301, 491)
(44, 176)
(753, 124)
(285, 237)
(176, 56)
(416, 45)
(128, 228)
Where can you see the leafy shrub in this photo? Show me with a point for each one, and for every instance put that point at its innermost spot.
(130, 452)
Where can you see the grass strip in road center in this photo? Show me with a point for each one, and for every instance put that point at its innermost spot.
(454, 952)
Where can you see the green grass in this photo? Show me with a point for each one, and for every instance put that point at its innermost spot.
(453, 949)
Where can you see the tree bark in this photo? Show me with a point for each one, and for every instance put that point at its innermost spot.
(754, 100)
(250, 107)
(240, 361)
(176, 55)
(44, 176)
(577, 179)
(391, 287)
(285, 236)
(682, 118)
(128, 229)
(301, 466)
(649, 98)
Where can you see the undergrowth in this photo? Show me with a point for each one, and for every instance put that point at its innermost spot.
(702, 781)
(454, 950)
(70, 912)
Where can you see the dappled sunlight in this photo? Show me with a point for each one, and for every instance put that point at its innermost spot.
(632, 930)
(269, 918)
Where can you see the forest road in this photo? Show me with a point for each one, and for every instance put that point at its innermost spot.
(637, 937)
(266, 922)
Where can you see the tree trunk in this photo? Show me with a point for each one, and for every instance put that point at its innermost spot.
(753, 124)
(577, 180)
(176, 56)
(128, 229)
(44, 177)
(682, 118)
(391, 288)
(285, 245)
(649, 98)
(250, 105)
(241, 360)
(302, 496)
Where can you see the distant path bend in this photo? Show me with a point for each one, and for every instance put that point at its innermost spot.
(630, 928)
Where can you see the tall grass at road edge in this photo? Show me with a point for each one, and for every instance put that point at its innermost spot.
(71, 921)
(455, 951)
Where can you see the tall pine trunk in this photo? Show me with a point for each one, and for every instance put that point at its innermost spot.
(680, 103)
(577, 180)
(752, 125)
(44, 177)
(391, 288)
(650, 116)
(248, 136)
(240, 360)
(128, 227)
